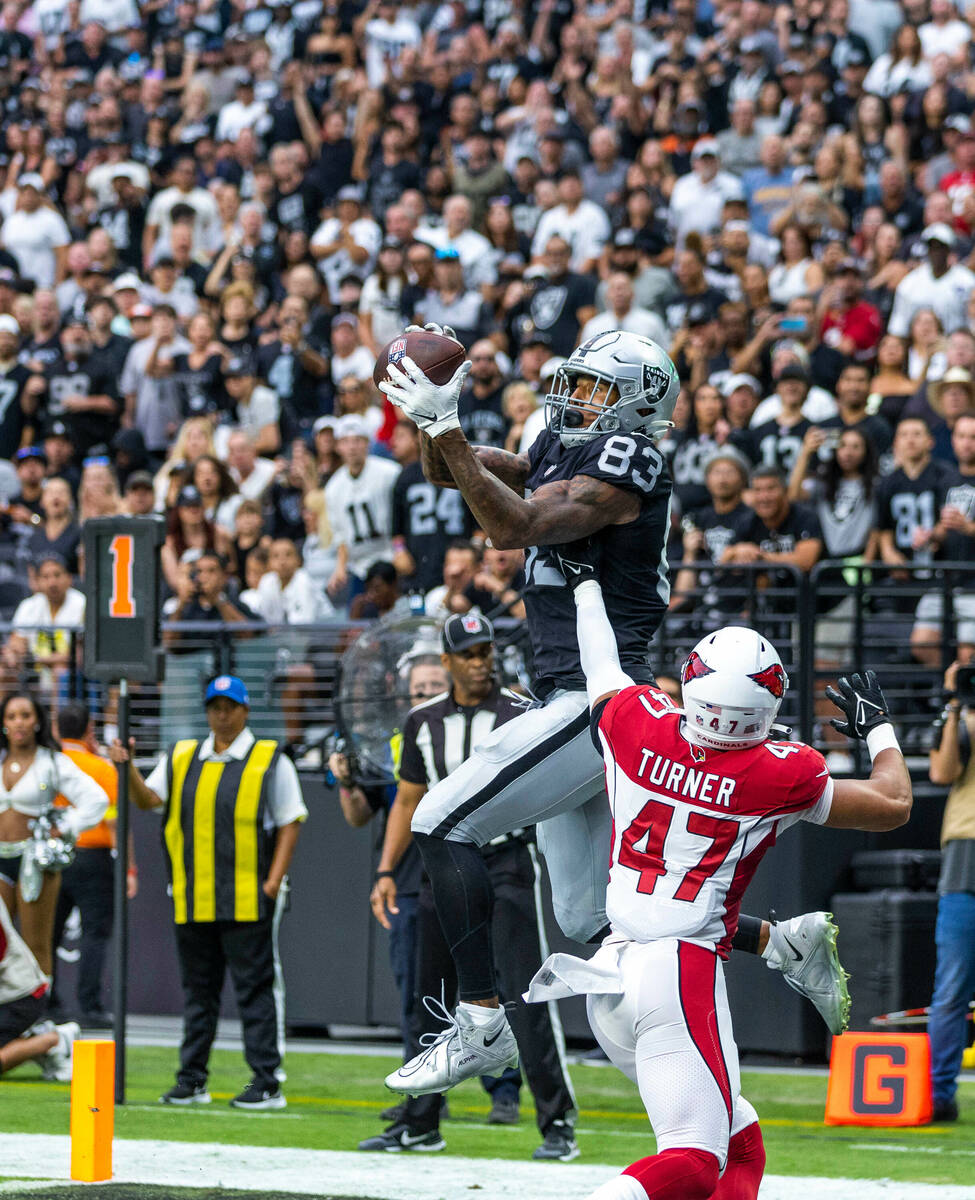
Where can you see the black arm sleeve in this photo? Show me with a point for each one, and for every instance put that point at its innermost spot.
(594, 719)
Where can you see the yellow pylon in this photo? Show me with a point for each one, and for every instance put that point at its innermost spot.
(92, 1110)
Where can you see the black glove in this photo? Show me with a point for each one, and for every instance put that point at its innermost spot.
(862, 703)
(578, 561)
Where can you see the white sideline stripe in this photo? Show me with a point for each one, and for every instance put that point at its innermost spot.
(392, 1177)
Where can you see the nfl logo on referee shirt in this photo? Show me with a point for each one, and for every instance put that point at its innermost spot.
(397, 350)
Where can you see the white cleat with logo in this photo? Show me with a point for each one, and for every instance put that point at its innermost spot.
(804, 950)
(460, 1051)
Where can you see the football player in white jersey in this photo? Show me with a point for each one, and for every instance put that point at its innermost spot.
(697, 796)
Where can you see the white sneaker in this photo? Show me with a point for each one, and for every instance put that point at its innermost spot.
(461, 1051)
(804, 950)
(56, 1064)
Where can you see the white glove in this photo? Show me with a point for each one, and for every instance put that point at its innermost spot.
(433, 327)
(433, 406)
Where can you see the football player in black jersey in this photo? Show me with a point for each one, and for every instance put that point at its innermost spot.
(593, 472)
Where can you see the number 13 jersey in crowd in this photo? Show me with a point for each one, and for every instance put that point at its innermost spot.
(633, 567)
(690, 825)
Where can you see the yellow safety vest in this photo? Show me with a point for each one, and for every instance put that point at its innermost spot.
(215, 835)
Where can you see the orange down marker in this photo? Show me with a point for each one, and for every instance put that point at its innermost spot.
(92, 1110)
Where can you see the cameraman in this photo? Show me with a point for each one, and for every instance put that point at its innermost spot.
(427, 678)
(954, 980)
(201, 595)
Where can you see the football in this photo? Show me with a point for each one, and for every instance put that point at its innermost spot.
(437, 356)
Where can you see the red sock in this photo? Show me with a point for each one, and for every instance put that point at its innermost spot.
(676, 1175)
(746, 1165)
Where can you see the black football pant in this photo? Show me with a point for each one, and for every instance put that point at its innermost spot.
(517, 956)
(206, 950)
(88, 883)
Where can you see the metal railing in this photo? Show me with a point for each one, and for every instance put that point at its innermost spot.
(843, 616)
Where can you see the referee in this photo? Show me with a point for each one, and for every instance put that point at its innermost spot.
(232, 807)
(437, 737)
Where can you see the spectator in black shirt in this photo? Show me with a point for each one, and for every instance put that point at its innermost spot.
(333, 151)
(31, 463)
(108, 349)
(852, 391)
(708, 531)
(92, 50)
(56, 443)
(296, 200)
(559, 303)
(778, 532)
(479, 407)
(83, 391)
(776, 443)
(390, 173)
(910, 499)
(693, 288)
(44, 345)
(427, 519)
(124, 218)
(58, 533)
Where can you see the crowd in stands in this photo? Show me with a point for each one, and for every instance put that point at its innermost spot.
(215, 214)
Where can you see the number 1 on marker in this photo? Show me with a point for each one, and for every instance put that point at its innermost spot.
(122, 603)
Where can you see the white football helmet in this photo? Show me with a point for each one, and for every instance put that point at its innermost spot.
(732, 682)
(643, 389)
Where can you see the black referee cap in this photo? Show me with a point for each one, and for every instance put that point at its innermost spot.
(463, 630)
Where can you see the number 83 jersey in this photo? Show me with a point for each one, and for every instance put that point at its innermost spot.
(690, 825)
(633, 571)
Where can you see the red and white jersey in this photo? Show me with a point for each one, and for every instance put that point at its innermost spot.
(691, 825)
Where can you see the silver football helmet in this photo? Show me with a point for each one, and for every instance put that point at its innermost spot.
(643, 389)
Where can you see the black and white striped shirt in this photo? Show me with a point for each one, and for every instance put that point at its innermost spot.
(440, 734)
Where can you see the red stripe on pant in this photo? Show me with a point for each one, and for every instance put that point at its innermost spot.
(697, 970)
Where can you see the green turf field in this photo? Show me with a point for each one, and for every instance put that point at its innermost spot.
(334, 1100)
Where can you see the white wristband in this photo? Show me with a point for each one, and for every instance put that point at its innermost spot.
(587, 592)
(882, 738)
(444, 425)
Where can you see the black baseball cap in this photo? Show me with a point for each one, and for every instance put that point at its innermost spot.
(794, 371)
(239, 368)
(188, 497)
(55, 428)
(463, 630)
(139, 479)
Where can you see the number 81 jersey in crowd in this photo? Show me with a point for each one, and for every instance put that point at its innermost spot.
(691, 825)
(633, 569)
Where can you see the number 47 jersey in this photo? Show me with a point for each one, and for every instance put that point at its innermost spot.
(691, 825)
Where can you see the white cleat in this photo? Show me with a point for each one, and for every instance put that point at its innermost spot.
(461, 1051)
(804, 950)
(56, 1064)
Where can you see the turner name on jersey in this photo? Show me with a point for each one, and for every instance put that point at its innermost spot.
(690, 825)
(633, 565)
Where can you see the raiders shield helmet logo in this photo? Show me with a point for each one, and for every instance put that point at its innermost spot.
(655, 381)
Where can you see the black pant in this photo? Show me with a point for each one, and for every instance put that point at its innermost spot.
(88, 883)
(206, 949)
(518, 954)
